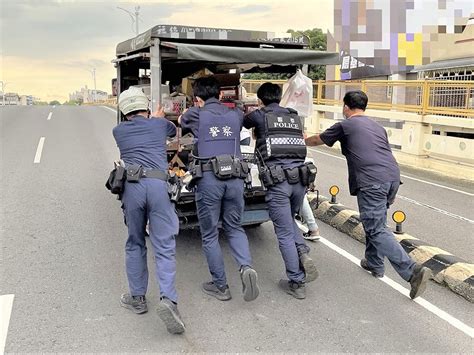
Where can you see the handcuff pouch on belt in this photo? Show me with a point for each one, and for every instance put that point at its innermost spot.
(134, 173)
(223, 166)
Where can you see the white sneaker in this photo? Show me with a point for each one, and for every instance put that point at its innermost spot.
(312, 235)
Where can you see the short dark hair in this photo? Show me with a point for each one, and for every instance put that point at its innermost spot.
(269, 93)
(134, 113)
(356, 100)
(206, 88)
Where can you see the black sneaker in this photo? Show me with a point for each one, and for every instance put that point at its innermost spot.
(309, 267)
(137, 304)
(418, 280)
(364, 265)
(168, 312)
(249, 279)
(297, 290)
(221, 293)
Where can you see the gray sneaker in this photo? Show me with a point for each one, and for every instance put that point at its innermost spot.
(418, 280)
(297, 290)
(137, 304)
(221, 293)
(168, 312)
(249, 279)
(309, 267)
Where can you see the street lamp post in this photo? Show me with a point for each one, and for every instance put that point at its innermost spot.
(133, 16)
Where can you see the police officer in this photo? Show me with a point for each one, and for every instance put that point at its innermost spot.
(219, 194)
(142, 143)
(374, 177)
(281, 153)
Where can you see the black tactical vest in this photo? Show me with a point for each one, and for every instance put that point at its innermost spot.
(283, 136)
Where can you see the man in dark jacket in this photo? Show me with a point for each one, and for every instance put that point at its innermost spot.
(374, 177)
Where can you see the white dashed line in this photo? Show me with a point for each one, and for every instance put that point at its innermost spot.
(6, 305)
(402, 175)
(39, 150)
(438, 185)
(439, 210)
(49, 116)
(396, 286)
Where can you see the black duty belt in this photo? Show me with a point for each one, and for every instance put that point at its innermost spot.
(154, 174)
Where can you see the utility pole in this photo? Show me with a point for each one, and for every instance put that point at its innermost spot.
(95, 87)
(133, 16)
(94, 97)
(3, 92)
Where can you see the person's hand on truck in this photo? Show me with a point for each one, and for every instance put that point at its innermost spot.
(159, 112)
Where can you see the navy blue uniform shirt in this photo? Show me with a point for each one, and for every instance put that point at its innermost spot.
(365, 145)
(190, 119)
(143, 141)
(256, 119)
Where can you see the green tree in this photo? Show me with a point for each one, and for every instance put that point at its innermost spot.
(316, 40)
(55, 102)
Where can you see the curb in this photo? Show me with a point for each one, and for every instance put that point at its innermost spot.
(447, 269)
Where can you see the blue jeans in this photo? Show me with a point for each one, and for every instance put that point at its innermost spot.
(142, 201)
(284, 201)
(306, 213)
(373, 201)
(224, 199)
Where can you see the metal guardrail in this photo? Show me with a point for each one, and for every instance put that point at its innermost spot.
(112, 102)
(425, 97)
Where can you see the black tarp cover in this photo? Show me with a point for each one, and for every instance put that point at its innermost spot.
(228, 54)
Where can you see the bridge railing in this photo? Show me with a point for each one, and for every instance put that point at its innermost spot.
(425, 97)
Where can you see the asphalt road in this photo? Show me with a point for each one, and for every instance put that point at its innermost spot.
(62, 258)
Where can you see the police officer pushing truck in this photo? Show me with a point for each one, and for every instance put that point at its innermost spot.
(281, 152)
(142, 143)
(218, 175)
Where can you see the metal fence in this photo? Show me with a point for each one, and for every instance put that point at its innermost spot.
(439, 97)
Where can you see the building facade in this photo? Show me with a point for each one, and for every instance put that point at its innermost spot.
(380, 38)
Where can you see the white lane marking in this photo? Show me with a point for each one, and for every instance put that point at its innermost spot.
(436, 209)
(402, 175)
(6, 305)
(39, 150)
(438, 185)
(421, 301)
(421, 204)
(49, 116)
(108, 108)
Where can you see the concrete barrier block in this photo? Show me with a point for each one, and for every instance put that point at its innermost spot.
(449, 270)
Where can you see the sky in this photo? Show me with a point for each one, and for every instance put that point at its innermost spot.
(48, 48)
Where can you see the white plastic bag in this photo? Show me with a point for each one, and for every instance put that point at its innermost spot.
(298, 94)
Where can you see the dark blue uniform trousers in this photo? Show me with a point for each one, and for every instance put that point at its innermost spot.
(142, 201)
(224, 199)
(284, 201)
(373, 202)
